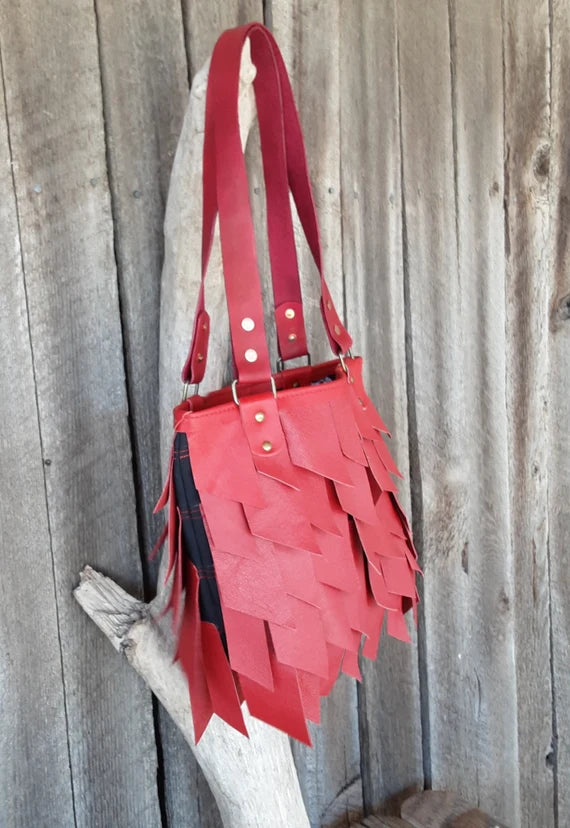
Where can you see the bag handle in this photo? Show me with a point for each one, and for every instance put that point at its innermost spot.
(222, 146)
(292, 339)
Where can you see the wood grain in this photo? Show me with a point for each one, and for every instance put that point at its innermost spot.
(389, 706)
(312, 58)
(485, 577)
(454, 250)
(145, 91)
(53, 99)
(346, 805)
(559, 404)
(35, 778)
(204, 23)
(527, 224)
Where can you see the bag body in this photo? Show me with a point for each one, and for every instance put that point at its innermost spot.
(286, 540)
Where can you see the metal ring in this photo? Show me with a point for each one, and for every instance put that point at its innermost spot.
(234, 389)
(186, 387)
(343, 363)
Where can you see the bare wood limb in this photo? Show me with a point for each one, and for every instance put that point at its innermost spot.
(253, 780)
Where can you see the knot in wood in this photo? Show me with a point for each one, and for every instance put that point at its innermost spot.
(541, 162)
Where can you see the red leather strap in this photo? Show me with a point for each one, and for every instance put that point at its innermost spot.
(300, 185)
(291, 335)
(280, 136)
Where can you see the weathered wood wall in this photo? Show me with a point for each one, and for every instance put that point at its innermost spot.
(437, 136)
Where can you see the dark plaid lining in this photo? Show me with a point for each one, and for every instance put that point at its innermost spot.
(194, 538)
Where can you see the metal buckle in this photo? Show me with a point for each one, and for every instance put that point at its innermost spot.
(234, 389)
(186, 387)
(281, 362)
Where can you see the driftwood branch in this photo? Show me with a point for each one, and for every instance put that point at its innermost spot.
(253, 780)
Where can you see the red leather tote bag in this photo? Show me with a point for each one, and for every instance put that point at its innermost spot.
(286, 541)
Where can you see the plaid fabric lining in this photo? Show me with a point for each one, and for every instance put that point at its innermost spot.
(194, 536)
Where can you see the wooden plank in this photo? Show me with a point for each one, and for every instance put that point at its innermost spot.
(311, 53)
(454, 260)
(187, 797)
(488, 561)
(144, 77)
(206, 21)
(527, 225)
(389, 702)
(346, 805)
(145, 91)
(35, 779)
(54, 110)
(559, 406)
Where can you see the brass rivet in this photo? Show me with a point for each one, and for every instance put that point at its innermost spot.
(336, 329)
(247, 324)
(251, 355)
(260, 416)
(329, 305)
(292, 337)
(266, 445)
(200, 357)
(205, 326)
(290, 313)
(296, 384)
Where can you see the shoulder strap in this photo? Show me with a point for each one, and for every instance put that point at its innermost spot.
(284, 163)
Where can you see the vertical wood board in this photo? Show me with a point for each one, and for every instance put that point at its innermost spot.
(144, 77)
(205, 22)
(145, 90)
(35, 778)
(559, 406)
(459, 464)
(56, 126)
(527, 225)
(389, 706)
(485, 571)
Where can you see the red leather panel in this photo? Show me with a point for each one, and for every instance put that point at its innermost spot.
(248, 647)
